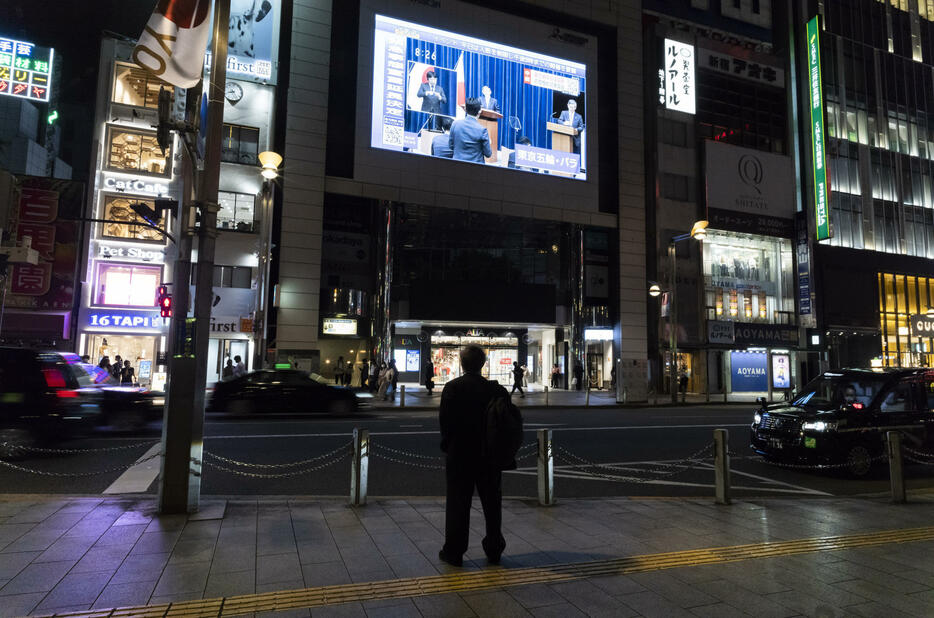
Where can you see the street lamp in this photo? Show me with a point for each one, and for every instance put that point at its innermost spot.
(269, 162)
(698, 232)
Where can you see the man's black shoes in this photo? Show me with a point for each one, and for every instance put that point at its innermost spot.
(493, 559)
(452, 560)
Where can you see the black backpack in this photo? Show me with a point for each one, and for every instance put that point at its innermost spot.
(502, 431)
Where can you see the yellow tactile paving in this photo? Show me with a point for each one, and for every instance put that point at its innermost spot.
(501, 578)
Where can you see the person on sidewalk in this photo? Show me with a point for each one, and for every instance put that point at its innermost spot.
(517, 373)
(374, 376)
(578, 376)
(464, 402)
(556, 376)
(392, 374)
(127, 374)
(239, 367)
(364, 372)
(383, 381)
(339, 371)
(429, 376)
(228, 371)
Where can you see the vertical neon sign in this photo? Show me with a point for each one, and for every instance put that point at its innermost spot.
(818, 153)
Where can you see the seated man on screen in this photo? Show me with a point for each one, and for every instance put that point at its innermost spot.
(441, 144)
(524, 141)
(487, 101)
(571, 118)
(470, 140)
(433, 97)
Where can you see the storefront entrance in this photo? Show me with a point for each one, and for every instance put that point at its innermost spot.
(501, 353)
(139, 350)
(219, 350)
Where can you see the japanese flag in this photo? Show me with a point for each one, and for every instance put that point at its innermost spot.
(174, 41)
(418, 72)
(461, 87)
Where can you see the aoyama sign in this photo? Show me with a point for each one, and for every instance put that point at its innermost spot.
(749, 372)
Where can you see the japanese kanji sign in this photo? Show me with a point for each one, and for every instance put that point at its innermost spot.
(818, 153)
(25, 70)
(679, 76)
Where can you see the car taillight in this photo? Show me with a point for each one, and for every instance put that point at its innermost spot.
(53, 378)
(66, 394)
(857, 405)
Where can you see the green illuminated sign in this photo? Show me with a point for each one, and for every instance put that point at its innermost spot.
(818, 153)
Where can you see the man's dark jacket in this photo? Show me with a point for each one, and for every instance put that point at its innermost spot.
(463, 402)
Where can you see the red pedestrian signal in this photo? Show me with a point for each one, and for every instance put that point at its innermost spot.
(164, 300)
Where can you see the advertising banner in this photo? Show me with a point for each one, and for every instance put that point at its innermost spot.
(749, 181)
(781, 371)
(749, 372)
(803, 251)
(46, 214)
(253, 40)
(679, 76)
(818, 153)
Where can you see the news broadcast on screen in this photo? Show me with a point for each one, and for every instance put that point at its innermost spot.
(446, 95)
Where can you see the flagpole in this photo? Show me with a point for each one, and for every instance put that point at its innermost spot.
(183, 433)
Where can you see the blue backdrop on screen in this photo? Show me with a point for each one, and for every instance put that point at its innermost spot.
(749, 372)
(532, 105)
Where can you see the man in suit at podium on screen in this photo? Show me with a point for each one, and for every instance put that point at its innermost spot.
(487, 101)
(470, 140)
(571, 118)
(433, 97)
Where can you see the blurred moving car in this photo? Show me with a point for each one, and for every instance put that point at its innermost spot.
(122, 407)
(281, 390)
(40, 400)
(842, 417)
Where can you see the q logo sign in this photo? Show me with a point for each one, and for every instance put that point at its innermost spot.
(750, 171)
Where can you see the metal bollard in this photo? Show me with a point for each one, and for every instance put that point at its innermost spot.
(587, 397)
(402, 396)
(721, 463)
(546, 469)
(359, 465)
(546, 395)
(896, 472)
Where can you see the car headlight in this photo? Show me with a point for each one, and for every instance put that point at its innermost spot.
(756, 418)
(819, 426)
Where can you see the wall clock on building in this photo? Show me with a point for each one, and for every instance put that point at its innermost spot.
(234, 92)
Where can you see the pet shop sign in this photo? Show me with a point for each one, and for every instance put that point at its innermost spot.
(252, 40)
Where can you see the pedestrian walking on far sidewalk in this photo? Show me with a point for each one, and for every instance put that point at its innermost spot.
(578, 376)
(481, 431)
(517, 373)
(429, 376)
(364, 372)
(374, 375)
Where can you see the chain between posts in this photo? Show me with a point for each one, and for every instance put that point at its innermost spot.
(77, 474)
(291, 464)
(281, 475)
(380, 450)
(76, 451)
(918, 457)
(837, 466)
(676, 467)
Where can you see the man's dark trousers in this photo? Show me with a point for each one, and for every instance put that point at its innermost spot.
(462, 477)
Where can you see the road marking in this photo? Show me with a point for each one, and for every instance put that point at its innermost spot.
(138, 477)
(411, 425)
(496, 578)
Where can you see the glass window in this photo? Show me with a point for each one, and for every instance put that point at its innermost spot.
(240, 144)
(137, 87)
(117, 208)
(236, 211)
(227, 276)
(132, 150)
(901, 398)
(127, 285)
(676, 187)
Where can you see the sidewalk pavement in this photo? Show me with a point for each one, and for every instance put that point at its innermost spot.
(581, 557)
(417, 397)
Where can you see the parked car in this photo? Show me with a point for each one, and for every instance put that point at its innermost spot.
(842, 417)
(40, 400)
(280, 390)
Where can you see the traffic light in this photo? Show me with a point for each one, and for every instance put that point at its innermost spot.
(164, 300)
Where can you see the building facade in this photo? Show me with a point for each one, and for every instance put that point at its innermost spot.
(388, 251)
(876, 269)
(127, 260)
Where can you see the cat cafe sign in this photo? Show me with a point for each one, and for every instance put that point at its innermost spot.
(136, 186)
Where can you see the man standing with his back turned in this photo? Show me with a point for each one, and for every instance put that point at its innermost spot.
(469, 139)
(464, 403)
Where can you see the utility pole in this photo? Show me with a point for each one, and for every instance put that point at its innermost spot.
(183, 427)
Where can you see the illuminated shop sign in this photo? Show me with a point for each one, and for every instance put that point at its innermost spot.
(922, 325)
(818, 154)
(127, 252)
(339, 326)
(126, 320)
(749, 372)
(135, 185)
(598, 334)
(25, 70)
(679, 76)
(251, 67)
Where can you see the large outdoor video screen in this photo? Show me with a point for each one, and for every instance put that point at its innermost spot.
(446, 95)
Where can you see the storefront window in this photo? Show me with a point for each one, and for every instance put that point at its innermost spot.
(236, 211)
(900, 298)
(240, 144)
(118, 209)
(501, 352)
(137, 87)
(130, 150)
(748, 278)
(127, 285)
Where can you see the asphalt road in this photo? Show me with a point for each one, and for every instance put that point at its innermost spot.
(644, 448)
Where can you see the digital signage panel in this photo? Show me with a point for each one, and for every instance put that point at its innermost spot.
(25, 70)
(446, 95)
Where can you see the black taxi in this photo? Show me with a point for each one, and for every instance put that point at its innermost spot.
(841, 417)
